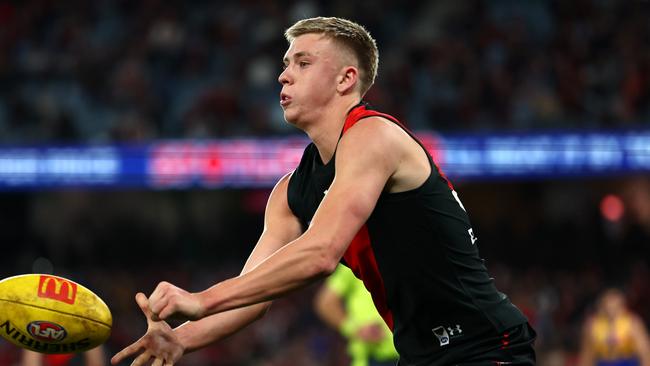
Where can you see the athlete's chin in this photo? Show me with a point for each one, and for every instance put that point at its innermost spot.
(291, 117)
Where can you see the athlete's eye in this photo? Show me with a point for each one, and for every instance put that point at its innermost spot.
(303, 63)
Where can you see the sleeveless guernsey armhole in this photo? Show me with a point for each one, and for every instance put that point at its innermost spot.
(364, 110)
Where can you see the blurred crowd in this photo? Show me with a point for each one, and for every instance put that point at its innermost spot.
(120, 70)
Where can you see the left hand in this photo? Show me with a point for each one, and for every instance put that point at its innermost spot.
(170, 302)
(372, 333)
(160, 343)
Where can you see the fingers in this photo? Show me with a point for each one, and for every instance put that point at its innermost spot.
(126, 352)
(140, 360)
(139, 346)
(165, 313)
(143, 303)
(168, 301)
(158, 309)
(162, 362)
(158, 300)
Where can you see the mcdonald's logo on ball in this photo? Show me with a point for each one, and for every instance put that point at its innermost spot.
(57, 288)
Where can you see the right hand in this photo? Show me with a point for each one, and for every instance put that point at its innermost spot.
(159, 343)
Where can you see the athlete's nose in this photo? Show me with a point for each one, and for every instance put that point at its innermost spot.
(284, 77)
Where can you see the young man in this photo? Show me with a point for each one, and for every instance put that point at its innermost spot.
(367, 194)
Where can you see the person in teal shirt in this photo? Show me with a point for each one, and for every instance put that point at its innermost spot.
(344, 304)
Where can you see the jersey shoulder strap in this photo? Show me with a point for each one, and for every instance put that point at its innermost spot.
(364, 110)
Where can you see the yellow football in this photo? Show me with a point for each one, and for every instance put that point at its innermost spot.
(51, 314)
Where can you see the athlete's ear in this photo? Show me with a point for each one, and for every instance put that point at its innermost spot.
(347, 80)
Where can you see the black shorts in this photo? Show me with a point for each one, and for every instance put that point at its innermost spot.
(515, 348)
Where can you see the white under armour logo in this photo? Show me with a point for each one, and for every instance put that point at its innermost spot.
(456, 331)
(446, 334)
(325, 192)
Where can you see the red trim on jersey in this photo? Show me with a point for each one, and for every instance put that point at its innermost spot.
(360, 256)
(505, 341)
(361, 259)
(361, 111)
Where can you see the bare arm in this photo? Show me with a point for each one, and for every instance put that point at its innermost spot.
(640, 336)
(31, 358)
(163, 344)
(362, 171)
(329, 307)
(280, 227)
(95, 357)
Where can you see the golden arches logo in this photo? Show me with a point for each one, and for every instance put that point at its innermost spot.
(57, 288)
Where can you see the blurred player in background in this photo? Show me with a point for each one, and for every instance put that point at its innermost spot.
(614, 336)
(368, 194)
(344, 304)
(93, 357)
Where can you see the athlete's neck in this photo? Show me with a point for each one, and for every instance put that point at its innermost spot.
(326, 131)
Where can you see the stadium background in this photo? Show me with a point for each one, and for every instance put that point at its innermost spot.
(134, 73)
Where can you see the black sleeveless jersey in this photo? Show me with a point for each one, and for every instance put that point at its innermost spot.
(417, 256)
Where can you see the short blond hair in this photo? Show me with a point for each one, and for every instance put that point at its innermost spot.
(349, 34)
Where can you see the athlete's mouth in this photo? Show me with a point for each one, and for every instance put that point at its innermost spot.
(284, 99)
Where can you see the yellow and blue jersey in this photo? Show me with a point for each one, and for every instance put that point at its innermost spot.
(613, 341)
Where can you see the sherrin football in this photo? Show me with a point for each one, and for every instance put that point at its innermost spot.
(51, 314)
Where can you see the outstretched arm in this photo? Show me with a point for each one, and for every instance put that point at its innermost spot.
(362, 170)
(167, 346)
(280, 227)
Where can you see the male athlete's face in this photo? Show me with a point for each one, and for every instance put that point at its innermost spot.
(312, 65)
